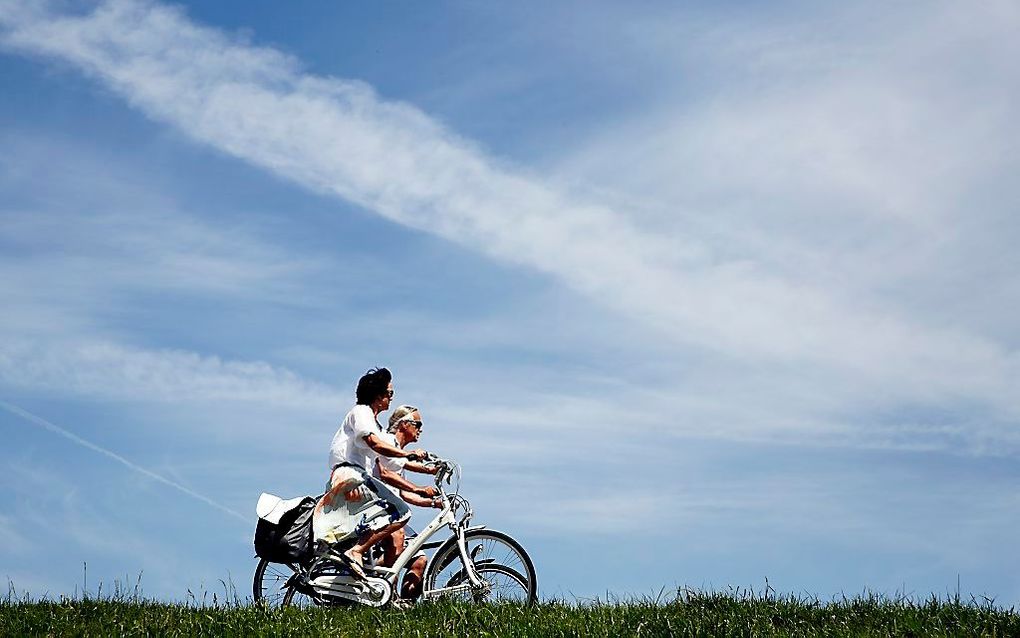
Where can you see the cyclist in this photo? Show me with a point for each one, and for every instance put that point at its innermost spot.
(405, 426)
(361, 505)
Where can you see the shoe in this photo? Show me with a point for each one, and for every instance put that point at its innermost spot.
(354, 565)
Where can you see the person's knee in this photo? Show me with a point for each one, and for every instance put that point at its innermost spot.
(418, 566)
(392, 527)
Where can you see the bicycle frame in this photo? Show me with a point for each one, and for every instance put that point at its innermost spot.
(445, 518)
(328, 578)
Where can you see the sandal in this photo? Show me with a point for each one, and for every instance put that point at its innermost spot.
(354, 564)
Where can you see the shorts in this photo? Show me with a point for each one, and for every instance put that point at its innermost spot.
(354, 504)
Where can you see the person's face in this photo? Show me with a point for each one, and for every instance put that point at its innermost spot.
(412, 431)
(386, 398)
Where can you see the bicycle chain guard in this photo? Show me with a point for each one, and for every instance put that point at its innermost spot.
(371, 591)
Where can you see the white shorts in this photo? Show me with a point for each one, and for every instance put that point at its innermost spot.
(345, 511)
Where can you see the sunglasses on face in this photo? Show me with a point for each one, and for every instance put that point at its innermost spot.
(416, 424)
(389, 394)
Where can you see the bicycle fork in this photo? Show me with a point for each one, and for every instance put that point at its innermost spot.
(468, 559)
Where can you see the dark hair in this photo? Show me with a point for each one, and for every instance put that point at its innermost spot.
(372, 385)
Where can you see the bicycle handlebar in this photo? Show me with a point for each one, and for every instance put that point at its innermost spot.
(445, 470)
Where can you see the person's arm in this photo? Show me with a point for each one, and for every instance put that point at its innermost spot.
(398, 481)
(421, 501)
(421, 468)
(366, 429)
(384, 448)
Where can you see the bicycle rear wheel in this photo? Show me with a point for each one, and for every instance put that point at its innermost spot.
(270, 586)
(500, 561)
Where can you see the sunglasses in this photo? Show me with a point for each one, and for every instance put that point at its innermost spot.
(389, 393)
(416, 424)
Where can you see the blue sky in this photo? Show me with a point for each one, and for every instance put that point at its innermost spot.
(698, 294)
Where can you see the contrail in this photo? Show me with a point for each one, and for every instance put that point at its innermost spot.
(46, 425)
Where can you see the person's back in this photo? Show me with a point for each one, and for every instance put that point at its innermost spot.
(348, 444)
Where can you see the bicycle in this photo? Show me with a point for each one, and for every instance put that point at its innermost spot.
(475, 563)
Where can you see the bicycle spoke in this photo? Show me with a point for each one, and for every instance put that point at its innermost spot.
(492, 550)
(506, 585)
(271, 582)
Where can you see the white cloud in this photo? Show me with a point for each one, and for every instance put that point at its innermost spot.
(825, 150)
(108, 370)
(751, 303)
(81, 254)
(786, 237)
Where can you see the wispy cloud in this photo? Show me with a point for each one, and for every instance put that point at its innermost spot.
(79, 250)
(43, 423)
(103, 369)
(835, 152)
(337, 136)
(804, 207)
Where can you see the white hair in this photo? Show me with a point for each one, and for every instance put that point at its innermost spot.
(401, 413)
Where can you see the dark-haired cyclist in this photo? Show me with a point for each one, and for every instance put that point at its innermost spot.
(356, 504)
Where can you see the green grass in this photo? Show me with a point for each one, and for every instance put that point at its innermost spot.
(735, 613)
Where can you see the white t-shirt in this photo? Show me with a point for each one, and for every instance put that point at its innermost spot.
(391, 463)
(349, 443)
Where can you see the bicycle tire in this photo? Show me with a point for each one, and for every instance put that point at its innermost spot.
(493, 552)
(269, 586)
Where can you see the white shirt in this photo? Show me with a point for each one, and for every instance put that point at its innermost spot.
(392, 463)
(349, 444)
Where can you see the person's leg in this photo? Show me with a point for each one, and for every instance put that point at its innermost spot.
(398, 510)
(411, 587)
(355, 554)
(393, 547)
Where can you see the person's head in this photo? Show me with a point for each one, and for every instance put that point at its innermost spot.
(375, 389)
(406, 419)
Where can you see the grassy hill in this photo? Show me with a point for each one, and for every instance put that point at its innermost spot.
(691, 614)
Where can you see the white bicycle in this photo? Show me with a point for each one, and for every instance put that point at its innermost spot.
(474, 563)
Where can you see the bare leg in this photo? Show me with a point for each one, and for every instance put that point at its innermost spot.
(393, 547)
(355, 553)
(411, 588)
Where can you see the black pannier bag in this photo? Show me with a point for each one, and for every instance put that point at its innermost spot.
(290, 539)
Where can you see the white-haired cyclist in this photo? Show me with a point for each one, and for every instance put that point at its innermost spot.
(405, 426)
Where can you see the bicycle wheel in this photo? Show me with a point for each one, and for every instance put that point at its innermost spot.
(500, 561)
(503, 585)
(270, 586)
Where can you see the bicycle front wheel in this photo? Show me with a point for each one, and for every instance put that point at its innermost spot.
(500, 561)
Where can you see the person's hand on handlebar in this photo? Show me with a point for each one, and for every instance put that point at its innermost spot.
(417, 455)
(428, 491)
